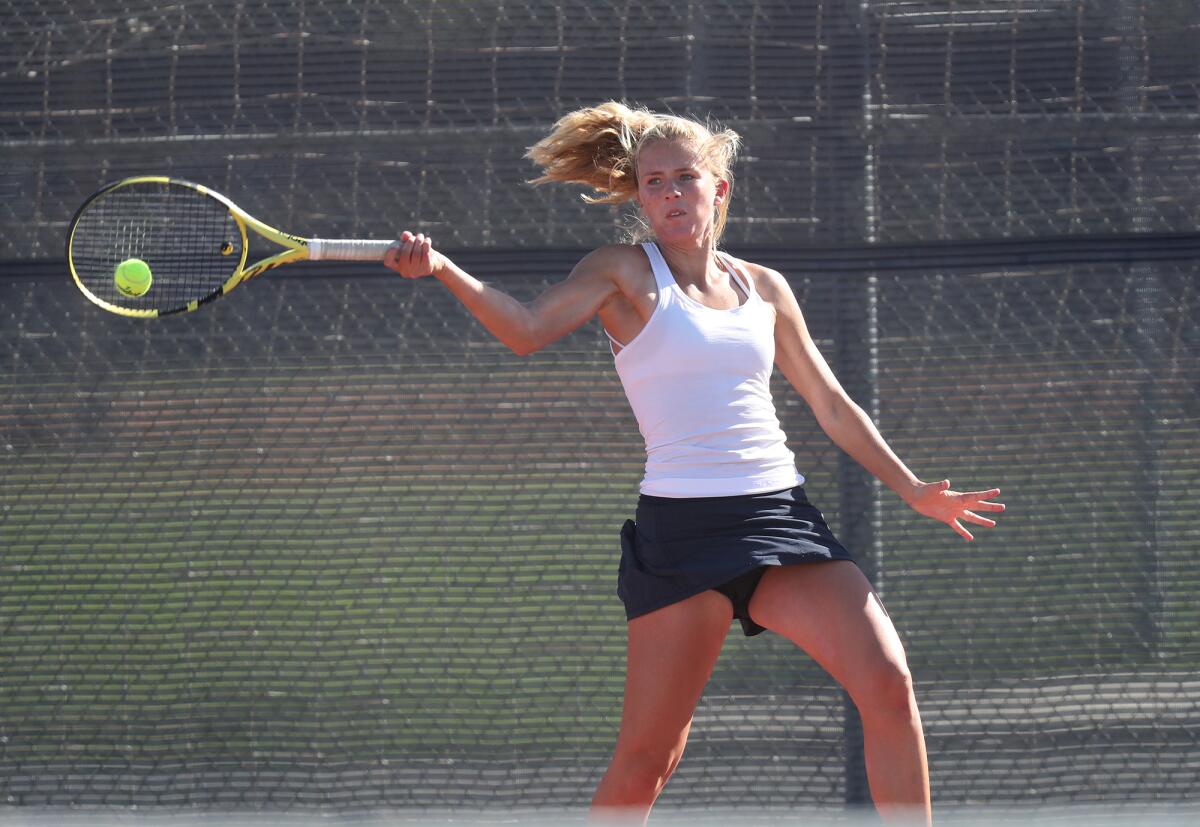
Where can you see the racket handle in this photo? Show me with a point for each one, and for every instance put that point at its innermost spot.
(346, 249)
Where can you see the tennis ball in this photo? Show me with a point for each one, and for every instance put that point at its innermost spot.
(133, 277)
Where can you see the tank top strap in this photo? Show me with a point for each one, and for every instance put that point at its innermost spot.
(739, 275)
(664, 279)
(662, 273)
(613, 344)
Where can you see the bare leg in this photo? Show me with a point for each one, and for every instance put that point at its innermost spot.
(671, 654)
(830, 611)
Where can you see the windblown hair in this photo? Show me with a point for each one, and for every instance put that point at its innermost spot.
(598, 146)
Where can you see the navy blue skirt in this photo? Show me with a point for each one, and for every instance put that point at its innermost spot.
(679, 547)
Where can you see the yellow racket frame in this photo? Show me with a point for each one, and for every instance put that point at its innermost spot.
(295, 247)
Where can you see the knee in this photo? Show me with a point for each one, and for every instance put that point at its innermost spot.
(887, 693)
(641, 773)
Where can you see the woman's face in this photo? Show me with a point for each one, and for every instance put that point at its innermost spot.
(677, 191)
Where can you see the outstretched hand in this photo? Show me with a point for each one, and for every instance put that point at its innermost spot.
(936, 500)
(413, 256)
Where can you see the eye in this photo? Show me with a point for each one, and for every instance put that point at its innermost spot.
(653, 180)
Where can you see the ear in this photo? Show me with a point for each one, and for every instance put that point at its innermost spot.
(722, 191)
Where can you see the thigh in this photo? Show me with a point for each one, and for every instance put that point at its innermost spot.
(830, 611)
(670, 657)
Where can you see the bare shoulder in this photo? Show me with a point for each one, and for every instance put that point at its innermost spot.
(626, 268)
(770, 284)
(614, 260)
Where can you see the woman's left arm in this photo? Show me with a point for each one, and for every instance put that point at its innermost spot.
(849, 426)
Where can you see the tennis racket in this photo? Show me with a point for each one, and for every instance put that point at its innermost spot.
(194, 242)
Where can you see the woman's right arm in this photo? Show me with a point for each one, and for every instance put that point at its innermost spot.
(524, 328)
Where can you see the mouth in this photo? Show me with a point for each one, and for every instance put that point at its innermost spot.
(675, 213)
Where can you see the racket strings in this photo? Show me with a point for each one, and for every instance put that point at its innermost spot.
(189, 240)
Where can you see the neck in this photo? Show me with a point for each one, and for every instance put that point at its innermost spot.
(692, 263)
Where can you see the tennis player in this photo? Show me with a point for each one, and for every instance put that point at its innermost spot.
(723, 528)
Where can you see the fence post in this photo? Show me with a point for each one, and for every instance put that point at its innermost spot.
(856, 357)
(1149, 309)
(856, 364)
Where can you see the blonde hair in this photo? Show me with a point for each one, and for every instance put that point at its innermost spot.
(599, 146)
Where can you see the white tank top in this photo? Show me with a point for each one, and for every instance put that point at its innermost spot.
(698, 380)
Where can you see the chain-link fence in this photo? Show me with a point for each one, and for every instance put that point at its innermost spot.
(326, 543)
(925, 121)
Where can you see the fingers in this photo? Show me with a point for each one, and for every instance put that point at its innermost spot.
(410, 255)
(395, 255)
(419, 254)
(977, 499)
(968, 503)
(972, 517)
(957, 526)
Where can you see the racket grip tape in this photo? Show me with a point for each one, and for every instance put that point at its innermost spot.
(346, 249)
